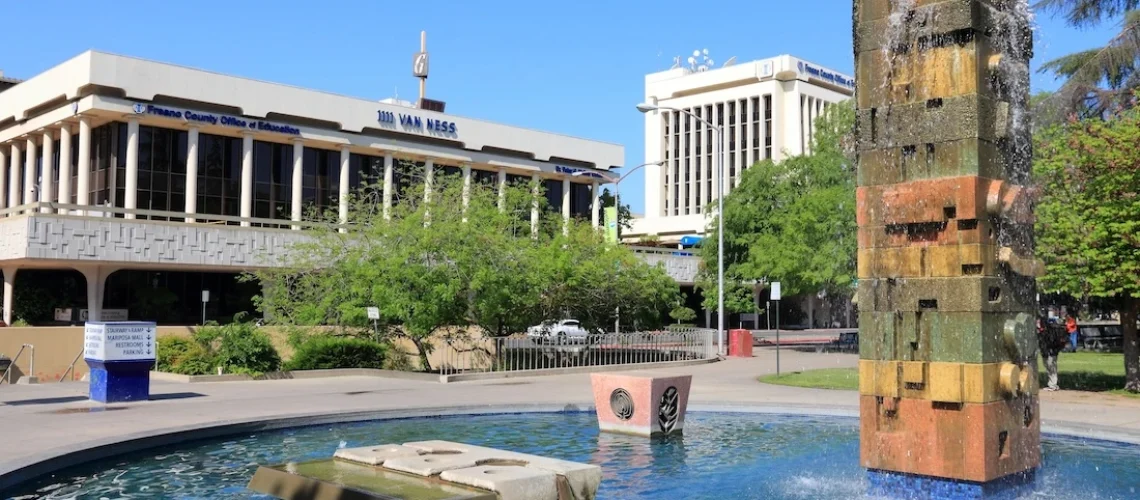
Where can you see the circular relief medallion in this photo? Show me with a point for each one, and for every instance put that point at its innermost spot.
(622, 404)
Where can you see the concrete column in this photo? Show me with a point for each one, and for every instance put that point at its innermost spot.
(131, 184)
(466, 189)
(246, 178)
(298, 180)
(191, 173)
(535, 184)
(388, 167)
(9, 291)
(96, 277)
(30, 171)
(690, 135)
(4, 176)
(14, 185)
(502, 190)
(566, 205)
(429, 173)
(345, 170)
(718, 149)
(64, 194)
(596, 204)
(83, 165)
(47, 171)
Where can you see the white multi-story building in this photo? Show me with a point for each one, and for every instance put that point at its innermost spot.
(152, 182)
(767, 109)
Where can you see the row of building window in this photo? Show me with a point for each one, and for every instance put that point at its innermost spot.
(688, 179)
(161, 177)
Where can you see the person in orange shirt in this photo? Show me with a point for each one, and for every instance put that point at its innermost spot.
(1071, 328)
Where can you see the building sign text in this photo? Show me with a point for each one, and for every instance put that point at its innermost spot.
(211, 119)
(125, 341)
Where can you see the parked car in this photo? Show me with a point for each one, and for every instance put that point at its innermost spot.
(562, 330)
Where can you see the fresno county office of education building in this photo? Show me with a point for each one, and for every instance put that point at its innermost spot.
(164, 181)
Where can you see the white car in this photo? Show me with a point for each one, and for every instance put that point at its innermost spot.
(562, 330)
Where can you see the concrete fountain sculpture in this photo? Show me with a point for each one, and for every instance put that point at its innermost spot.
(946, 291)
(429, 470)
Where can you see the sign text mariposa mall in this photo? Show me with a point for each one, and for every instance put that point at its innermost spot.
(110, 342)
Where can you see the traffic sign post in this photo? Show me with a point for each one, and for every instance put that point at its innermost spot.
(374, 315)
(120, 356)
(775, 296)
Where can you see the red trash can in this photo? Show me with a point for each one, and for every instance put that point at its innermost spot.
(740, 343)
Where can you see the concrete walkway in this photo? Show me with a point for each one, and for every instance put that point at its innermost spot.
(54, 425)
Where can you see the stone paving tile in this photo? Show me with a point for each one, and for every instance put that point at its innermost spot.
(39, 421)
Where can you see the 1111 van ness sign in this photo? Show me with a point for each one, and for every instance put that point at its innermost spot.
(415, 122)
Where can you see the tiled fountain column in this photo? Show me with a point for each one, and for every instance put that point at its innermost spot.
(946, 290)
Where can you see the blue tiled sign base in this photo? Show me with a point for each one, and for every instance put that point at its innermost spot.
(886, 484)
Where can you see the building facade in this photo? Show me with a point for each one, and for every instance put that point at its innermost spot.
(767, 109)
(180, 178)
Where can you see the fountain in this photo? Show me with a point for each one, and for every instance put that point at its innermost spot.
(948, 388)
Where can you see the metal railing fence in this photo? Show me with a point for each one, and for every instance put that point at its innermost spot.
(521, 353)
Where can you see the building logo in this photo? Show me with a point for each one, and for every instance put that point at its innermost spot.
(801, 66)
(766, 69)
(387, 117)
(139, 108)
(413, 123)
(420, 65)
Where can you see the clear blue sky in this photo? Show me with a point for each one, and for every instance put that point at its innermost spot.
(575, 68)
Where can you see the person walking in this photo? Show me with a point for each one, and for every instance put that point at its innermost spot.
(1051, 341)
(1071, 329)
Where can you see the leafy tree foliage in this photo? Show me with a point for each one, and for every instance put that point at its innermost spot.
(460, 258)
(1100, 79)
(1088, 217)
(792, 222)
(683, 314)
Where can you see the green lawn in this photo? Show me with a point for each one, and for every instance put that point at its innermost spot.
(1081, 371)
(827, 378)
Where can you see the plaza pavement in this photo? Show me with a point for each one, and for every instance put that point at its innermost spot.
(54, 425)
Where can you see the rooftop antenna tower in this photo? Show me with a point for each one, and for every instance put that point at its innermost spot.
(420, 65)
(700, 61)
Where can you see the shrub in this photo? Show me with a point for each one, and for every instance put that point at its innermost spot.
(243, 347)
(324, 352)
(196, 361)
(183, 356)
(171, 350)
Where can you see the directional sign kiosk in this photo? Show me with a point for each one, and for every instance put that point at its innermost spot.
(120, 356)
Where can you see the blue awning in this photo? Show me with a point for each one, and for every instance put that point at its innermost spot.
(691, 240)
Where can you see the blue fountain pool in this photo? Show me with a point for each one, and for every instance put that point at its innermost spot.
(721, 455)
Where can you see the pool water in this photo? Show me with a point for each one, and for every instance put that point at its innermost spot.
(721, 456)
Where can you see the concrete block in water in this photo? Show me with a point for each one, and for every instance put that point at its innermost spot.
(1007, 293)
(910, 162)
(970, 116)
(641, 404)
(947, 382)
(963, 441)
(953, 337)
(942, 261)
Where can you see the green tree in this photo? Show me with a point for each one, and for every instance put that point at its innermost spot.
(683, 314)
(1088, 217)
(625, 216)
(455, 260)
(792, 222)
(1100, 79)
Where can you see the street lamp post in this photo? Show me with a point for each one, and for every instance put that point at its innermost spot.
(617, 206)
(645, 108)
(616, 181)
